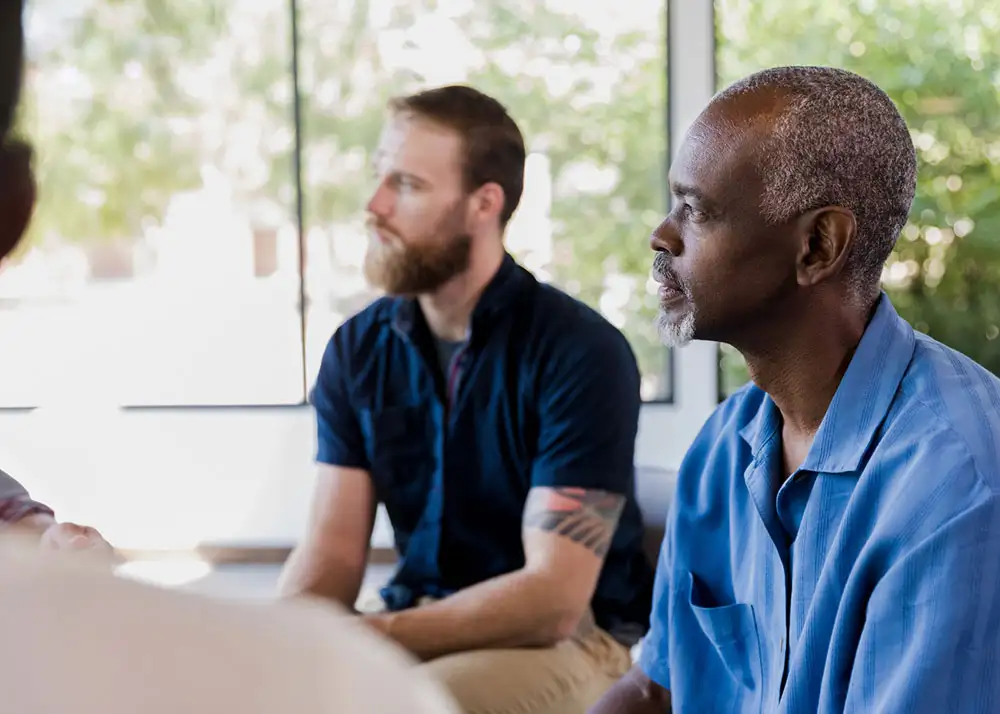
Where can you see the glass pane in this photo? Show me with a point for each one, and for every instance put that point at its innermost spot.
(944, 276)
(162, 263)
(585, 82)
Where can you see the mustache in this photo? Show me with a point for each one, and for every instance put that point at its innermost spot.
(374, 224)
(663, 273)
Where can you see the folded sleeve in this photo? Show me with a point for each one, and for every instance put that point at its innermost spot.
(339, 437)
(589, 415)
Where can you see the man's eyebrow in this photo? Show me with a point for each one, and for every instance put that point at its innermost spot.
(413, 178)
(397, 174)
(684, 191)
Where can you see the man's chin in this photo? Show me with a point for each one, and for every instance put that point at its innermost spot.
(404, 286)
(379, 277)
(675, 330)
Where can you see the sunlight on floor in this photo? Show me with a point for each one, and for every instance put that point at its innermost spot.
(166, 573)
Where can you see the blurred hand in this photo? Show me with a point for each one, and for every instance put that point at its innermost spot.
(380, 622)
(72, 537)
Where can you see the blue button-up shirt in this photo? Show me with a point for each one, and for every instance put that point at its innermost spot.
(870, 580)
(544, 393)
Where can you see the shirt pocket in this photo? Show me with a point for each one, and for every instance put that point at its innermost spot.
(732, 632)
(402, 448)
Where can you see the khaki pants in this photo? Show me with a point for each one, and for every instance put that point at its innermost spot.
(566, 679)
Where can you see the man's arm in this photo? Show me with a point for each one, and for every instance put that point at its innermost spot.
(644, 690)
(22, 516)
(931, 636)
(635, 693)
(588, 409)
(330, 561)
(567, 532)
(17, 508)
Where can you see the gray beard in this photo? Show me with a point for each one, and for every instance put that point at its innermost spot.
(675, 332)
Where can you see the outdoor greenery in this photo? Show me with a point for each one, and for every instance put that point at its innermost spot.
(131, 101)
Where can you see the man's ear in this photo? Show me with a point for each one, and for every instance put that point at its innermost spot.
(17, 194)
(828, 235)
(487, 202)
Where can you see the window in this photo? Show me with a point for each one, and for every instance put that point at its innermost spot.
(586, 84)
(163, 266)
(944, 276)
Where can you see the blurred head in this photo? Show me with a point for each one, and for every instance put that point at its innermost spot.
(450, 170)
(794, 182)
(17, 186)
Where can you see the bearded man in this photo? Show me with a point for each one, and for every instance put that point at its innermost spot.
(495, 417)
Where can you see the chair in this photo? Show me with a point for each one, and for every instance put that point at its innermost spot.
(654, 490)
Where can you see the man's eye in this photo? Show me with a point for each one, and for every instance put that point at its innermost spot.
(402, 183)
(694, 214)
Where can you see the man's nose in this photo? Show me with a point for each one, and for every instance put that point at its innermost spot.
(381, 202)
(666, 239)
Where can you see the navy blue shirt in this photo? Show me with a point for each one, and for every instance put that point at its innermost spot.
(545, 392)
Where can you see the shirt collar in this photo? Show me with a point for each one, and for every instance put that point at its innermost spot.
(502, 289)
(861, 402)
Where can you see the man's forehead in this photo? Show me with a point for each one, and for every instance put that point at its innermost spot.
(717, 154)
(708, 157)
(417, 145)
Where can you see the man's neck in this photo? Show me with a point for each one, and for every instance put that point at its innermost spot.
(448, 310)
(802, 370)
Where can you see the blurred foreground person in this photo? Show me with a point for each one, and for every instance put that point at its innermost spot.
(78, 639)
(17, 201)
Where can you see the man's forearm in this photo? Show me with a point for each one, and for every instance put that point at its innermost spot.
(634, 694)
(513, 610)
(328, 578)
(23, 516)
(35, 523)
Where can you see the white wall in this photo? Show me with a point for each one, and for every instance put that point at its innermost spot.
(176, 478)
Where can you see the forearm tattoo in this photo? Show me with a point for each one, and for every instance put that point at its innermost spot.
(585, 516)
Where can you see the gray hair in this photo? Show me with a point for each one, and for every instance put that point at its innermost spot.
(839, 140)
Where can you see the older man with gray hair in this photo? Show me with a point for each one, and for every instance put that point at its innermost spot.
(834, 543)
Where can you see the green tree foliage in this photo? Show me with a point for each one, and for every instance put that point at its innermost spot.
(102, 93)
(940, 62)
